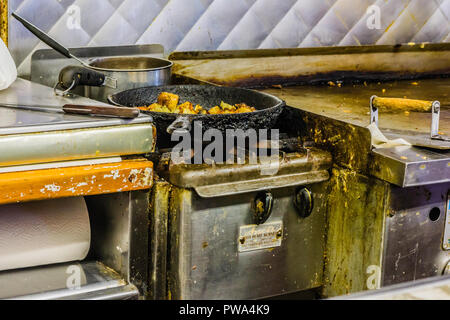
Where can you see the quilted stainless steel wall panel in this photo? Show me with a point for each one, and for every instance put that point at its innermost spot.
(227, 24)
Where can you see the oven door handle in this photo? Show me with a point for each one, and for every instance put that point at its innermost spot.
(291, 180)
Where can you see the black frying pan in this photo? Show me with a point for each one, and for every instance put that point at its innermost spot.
(268, 107)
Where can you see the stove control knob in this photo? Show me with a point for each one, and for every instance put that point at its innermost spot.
(304, 202)
(262, 207)
(447, 269)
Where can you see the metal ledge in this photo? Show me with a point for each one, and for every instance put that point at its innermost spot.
(51, 283)
(410, 166)
(435, 288)
(211, 180)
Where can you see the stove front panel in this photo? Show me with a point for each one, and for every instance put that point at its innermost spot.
(415, 229)
(208, 262)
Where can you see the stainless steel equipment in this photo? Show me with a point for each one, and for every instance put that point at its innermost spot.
(386, 214)
(386, 208)
(116, 74)
(229, 233)
(415, 245)
(33, 137)
(369, 233)
(434, 288)
(118, 220)
(113, 74)
(46, 63)
(50, 282)
(49, 146)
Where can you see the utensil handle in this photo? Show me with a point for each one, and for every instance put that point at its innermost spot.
(43, 36)
(120, 112)
(81, 76)
(401, 104)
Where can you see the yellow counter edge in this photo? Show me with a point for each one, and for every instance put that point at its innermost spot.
(4, 20)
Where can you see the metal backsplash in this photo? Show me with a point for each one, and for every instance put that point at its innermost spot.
(227, 24)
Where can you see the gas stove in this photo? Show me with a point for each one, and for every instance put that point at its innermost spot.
(338, 215)
(386, 208)
(227, 231)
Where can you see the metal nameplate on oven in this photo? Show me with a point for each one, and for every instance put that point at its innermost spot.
(263, 236)
(446, 243)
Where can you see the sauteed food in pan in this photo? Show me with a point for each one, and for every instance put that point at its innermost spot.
(168, 102)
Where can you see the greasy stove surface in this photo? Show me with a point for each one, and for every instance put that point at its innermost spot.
(350, 103)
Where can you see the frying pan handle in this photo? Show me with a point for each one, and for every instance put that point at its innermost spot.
(181, 124)
(110, 99)
(80, 76)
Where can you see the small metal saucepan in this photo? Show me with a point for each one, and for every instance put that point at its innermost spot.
(106, 76)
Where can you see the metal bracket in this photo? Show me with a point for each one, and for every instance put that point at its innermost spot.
(66, 92)
(110, 82)
(446, 240)
(435, 115)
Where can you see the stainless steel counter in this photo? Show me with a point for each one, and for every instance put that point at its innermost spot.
(348, 107)
(350, 103)
(37, 137)
(24, 92)
(335, 116)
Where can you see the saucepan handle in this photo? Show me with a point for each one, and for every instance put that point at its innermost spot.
(181, 124)
(80, 76)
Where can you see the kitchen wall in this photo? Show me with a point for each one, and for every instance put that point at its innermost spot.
(227, 24)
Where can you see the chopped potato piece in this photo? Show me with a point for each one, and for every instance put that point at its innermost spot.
(186, 108)
(169, 100)
(226, 106)
(157, 108)
(242, 108)
(199, 109)
(215, 110)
